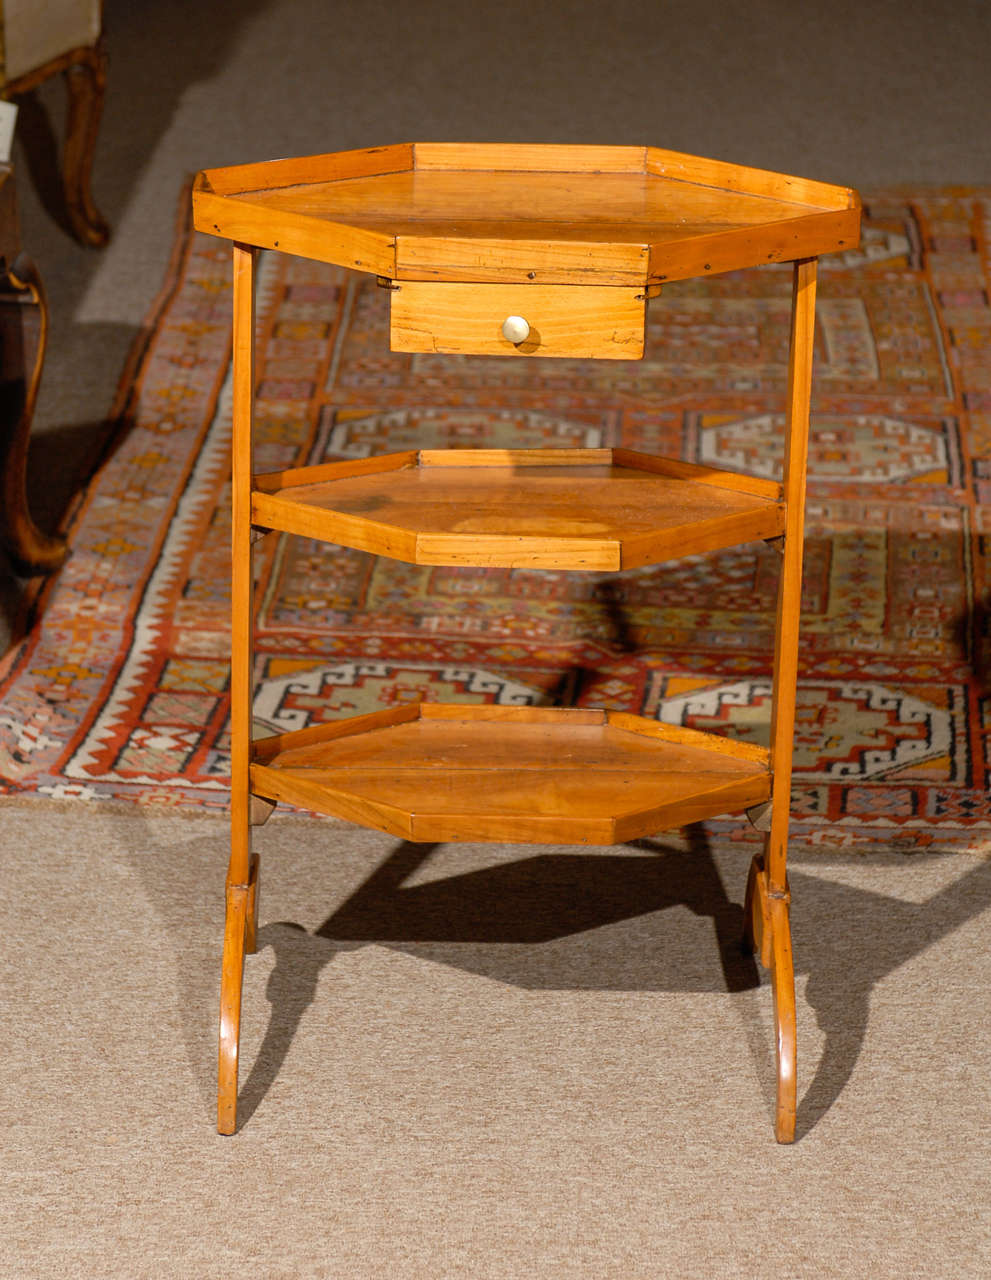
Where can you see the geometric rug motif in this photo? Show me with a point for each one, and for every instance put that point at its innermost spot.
(317, 695)
(861, 448)
(843, 732)
(119, 689)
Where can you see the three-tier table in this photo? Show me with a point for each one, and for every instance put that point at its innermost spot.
(521, 251)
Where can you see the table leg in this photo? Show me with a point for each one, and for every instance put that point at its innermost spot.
(241, 929)
(767, 911)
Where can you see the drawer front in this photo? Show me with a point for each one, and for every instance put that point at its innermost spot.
(598, 322)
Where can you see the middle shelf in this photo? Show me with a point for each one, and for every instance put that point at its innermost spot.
(591, 509)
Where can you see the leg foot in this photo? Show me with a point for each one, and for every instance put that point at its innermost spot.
(232, 974)
(783, 979)
(767, 929)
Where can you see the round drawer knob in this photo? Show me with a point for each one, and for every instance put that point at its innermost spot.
(515, 330)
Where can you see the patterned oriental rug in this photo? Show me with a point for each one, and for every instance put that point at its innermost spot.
(119, 690)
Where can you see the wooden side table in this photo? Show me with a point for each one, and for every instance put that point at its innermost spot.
(520, 251)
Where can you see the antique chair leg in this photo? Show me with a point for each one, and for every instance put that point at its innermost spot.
(85, 79)
(30, 550)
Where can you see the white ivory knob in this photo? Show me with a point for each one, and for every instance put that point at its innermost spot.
(515, 330)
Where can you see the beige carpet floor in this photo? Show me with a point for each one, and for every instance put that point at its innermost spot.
(574, 1079)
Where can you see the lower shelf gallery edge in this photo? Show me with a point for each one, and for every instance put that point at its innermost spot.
(445, 772)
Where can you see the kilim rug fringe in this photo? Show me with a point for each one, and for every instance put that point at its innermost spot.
(119, 689)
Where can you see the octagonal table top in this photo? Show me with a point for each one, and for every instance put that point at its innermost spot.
(526, 213)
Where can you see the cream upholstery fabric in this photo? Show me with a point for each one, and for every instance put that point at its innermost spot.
(36, 31)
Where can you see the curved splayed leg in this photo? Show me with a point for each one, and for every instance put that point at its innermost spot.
(770, 899)
(232, 974)
(783, 982)
(767, 930)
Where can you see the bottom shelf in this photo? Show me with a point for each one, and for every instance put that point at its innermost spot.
(445, 772)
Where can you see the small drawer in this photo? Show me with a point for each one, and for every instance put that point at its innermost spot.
(595, 322)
